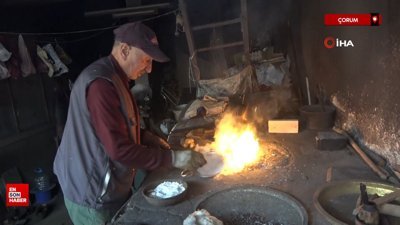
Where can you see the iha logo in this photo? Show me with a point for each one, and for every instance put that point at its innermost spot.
(331, 42)
(17, 195)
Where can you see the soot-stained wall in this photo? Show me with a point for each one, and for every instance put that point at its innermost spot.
(363, 80)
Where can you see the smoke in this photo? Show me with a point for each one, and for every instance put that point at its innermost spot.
(264, 106)
(266, 19)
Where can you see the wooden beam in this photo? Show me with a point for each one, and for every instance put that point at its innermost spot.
(245, 30)
(127, 9)
(220, 46)
(218, 24)
(189, 38)
(389, 209)
(283, 126)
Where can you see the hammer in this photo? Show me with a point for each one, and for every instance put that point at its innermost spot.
(366, 211)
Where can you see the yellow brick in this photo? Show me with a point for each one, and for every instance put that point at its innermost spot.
(283, 126)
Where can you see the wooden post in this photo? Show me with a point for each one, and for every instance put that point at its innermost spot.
(245, 30)
(189, 38)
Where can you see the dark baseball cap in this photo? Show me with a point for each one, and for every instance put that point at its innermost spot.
(140, 36)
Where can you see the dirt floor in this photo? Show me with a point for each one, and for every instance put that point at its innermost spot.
(292, 164)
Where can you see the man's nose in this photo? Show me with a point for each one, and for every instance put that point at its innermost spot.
(149, 67)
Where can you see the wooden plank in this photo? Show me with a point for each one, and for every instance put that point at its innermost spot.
(217, 24)
(283, 126)
(387, 198)
(220, 46)
(189, 38)
(390, 209)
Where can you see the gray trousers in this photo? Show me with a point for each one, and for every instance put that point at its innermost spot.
(81, 215)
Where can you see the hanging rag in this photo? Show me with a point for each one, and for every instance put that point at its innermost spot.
(45, 59)
(5, 55)
(13, 62)
(59, 67)
(4, 74)
(27, 66)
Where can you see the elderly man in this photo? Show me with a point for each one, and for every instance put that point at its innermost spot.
(102, 145)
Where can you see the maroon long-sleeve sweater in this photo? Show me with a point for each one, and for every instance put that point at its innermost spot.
(110, 126)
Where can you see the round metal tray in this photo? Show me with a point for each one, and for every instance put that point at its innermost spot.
(336, 200)
(256, 202)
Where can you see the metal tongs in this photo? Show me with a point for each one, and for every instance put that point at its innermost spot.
(187, 173)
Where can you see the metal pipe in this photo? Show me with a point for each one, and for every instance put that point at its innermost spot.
(138, 13)
(127, 9)
(308, 91)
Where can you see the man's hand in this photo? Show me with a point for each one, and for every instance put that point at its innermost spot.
(155, 141)
(188, 159)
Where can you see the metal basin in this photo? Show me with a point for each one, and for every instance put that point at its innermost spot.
(336, 201)
(254, 205)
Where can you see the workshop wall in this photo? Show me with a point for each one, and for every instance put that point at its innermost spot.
(33, 108)
(361, 80)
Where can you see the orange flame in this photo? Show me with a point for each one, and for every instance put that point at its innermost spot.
(237, 142)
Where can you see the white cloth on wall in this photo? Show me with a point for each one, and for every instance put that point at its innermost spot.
(44, 57)
(4, 71)
(58, 65)
(27, 66)
(4, 53)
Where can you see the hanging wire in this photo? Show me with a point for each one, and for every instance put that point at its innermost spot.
(102, 29)
(73, 40)
(191, 72)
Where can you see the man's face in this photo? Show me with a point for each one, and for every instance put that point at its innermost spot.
(139, 63)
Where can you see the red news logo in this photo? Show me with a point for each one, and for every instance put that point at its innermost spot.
(331, 42)
(17, 195)
(370, 19)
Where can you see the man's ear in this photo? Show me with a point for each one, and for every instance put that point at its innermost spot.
(124, 50)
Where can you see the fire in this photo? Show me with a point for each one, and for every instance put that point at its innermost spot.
(237, 142)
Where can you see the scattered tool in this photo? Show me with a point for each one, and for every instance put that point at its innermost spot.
(368, 209)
